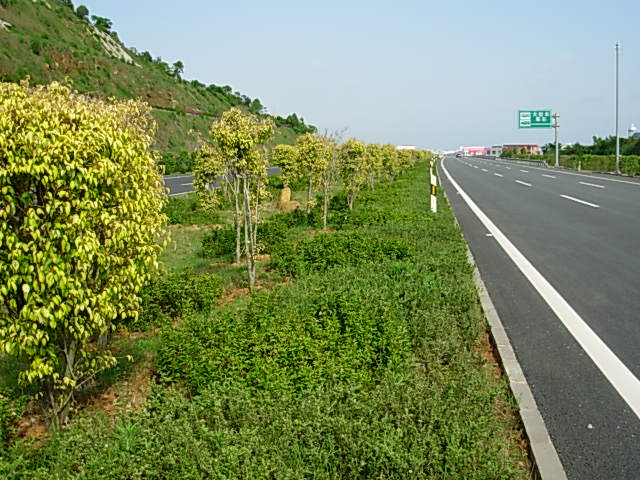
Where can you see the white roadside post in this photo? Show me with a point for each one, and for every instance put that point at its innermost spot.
(434, 190)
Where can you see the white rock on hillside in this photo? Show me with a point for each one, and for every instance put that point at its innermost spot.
(5, 25)
(112, 46)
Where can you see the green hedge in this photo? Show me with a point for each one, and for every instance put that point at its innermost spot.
(185, 210)
(172, 296)
(337, 330)
(326, 250)
(271, 233)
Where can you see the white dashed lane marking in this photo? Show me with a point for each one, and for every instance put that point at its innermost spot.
(577, 200)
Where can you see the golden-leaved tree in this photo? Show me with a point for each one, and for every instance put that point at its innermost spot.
(234, 154)
(80, 231)
(354, 169)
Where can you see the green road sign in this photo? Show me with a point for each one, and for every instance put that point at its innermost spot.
(534, 119)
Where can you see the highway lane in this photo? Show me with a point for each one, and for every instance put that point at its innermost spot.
(183, 184)
(583, 236)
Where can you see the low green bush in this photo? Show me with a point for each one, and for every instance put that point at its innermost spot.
(407, 427)
(185, 210)
(271, 233)
(326, 250)
(173, 163)
(11, 408)
(173, 296)
(308, 336)
(219, 243)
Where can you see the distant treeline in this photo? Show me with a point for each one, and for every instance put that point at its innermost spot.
(601, 146)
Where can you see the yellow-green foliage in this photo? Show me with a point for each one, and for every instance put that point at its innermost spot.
(235, 153)
(354, 168)
(80, 225)
(287, 158)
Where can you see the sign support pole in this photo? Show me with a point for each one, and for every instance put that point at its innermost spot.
(617, 107)
(555, 130)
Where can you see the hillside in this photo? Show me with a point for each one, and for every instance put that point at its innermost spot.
(51, 40)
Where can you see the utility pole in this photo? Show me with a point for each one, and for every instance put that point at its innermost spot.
(617, 107)
(556, 125)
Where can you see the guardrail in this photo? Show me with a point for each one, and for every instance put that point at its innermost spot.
(526, 161)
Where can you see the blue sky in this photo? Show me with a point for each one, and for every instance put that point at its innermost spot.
(435, 74)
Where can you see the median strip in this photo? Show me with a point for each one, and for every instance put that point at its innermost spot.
(577, 200)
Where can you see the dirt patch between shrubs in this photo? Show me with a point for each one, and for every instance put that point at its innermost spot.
(130, 394)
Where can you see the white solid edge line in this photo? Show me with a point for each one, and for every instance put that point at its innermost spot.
(591, 184)
(574, 199)
(181, 193)
(186, 184)
(523, 183)
(616, 372)
(498, 175)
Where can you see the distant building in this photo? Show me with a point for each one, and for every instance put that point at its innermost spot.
(406, 147)
(526, 148)
(495, 150)
(473, 151)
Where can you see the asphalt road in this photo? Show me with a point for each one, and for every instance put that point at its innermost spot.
(580, 233)
(182, 184)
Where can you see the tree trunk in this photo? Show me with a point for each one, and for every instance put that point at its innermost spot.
(350, 199)
(248, 234)
(325, 207)
(60, 399)
(309, 197)
(236, 217)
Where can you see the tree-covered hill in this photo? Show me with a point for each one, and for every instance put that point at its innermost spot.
(49, 40)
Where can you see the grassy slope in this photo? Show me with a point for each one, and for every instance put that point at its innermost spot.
(444, 413)
(53, 44)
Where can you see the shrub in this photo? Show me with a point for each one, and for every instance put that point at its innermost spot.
(222, 242)
(326, 250)
(36, 46)
(290, 340)
(185, 210)
(273, 232)
(174, 296)
(219, 243)
(82, 12)
(80, 221)
(11, 409)
(182, 162)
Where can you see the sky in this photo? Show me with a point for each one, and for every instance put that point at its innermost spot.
(436, 74)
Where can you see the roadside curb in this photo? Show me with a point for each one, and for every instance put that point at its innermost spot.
(542, 451)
